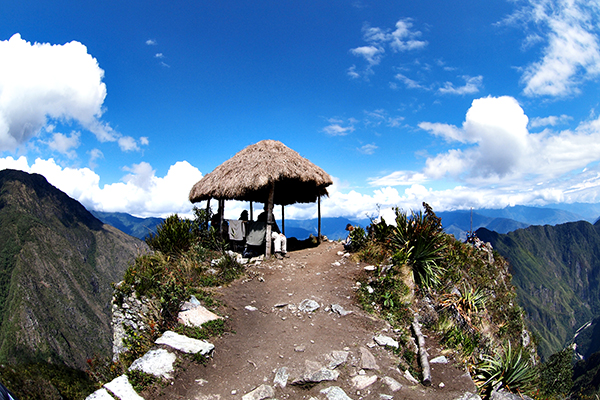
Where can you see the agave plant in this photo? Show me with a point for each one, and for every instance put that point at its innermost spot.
(509, 370)
(466, 303)
(420, 236)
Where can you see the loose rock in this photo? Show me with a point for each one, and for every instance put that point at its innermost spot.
(156, 362)
(386, 341)
(393, 384)
(335, 393)
(261, 392)
(361, 382)
(367, 360)
(308, 305)
(281, 377)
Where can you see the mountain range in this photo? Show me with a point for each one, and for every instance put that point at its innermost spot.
(457, 223)
(556, 270)
(57, 265)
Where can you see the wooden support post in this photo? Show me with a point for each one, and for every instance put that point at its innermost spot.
(283, 219)
(251, 212)
(269, 219)
(319, 223)
(221, 215)
(207, 213)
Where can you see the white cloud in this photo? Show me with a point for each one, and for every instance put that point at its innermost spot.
(151, 42)
(127, 143)
(140, 193)
(371, 54)
(572, 50)
(448, 132)
(497, 149)
(42, 80)
(368, 149)
(399, 178)
(41, 84)
(65, 144)
(402, 39)
(95, 154)
(552, 120)
(159, 55)
(472, 85)
(409, 83)
(336, 127)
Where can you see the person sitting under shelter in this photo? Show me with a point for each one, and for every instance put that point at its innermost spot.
(279, 239)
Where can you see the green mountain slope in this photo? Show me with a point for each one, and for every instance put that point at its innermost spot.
(57, 263)
(556, 270)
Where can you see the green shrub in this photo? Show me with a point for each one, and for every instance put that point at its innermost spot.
(358, 238)
(420, 239)
(174, 236)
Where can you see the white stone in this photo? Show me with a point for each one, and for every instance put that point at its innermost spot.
(261, 392)
(367, 360)
(336, 358)
(193, 314)
(335, 393)
(393, 384)
(439, 360)
(251, 308)
(156, 362)
(370, 268)
(383, 340)
(340, 310)
(308, 305)
(281, 377)
(100, 394)
(121, 388)
(410, 378)
(185, 344)
(361, 382)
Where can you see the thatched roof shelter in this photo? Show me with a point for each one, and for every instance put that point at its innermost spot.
(267, 172)
(248, 176)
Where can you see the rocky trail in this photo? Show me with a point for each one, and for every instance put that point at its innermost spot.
(296, 332)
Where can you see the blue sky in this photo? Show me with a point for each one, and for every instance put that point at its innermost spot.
(125, 105)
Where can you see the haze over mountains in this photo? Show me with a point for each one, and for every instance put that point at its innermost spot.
(457, 223)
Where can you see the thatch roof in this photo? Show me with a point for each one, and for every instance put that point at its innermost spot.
(248, 174)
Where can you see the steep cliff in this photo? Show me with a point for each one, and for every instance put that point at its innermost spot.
(57, 264)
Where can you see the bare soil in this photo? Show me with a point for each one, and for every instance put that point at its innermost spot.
(268, 332)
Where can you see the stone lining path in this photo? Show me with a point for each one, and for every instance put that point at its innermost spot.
(297, 333)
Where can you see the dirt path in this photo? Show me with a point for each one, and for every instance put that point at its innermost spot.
(269, 332)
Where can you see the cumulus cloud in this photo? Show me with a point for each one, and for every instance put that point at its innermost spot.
(141, 192)
(498, 148)
(40, 84)
(571, 53)
(151, 42)
(42, 80)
